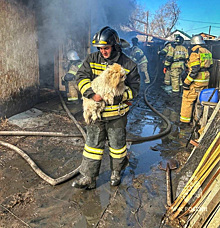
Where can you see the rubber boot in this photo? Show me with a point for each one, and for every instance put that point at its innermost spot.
(85, 182)
(115, 178)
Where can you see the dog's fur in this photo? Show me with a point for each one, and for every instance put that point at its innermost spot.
(108, 84)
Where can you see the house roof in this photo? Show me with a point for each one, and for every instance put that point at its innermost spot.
(185, 34)
(207, 35)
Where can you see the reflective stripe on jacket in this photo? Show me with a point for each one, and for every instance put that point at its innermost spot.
(74, 68)
(94, 65)
(199, 62)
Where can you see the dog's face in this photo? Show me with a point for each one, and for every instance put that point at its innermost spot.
(115, 75)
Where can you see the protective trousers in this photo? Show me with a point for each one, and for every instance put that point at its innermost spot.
(143, 68)
(188, 99)
(175, 78)
(72, 93)
(115, 132)
(167, 78)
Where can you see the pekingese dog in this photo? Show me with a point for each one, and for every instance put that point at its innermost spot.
(108, 84)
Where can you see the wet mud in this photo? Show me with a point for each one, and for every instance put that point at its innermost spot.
(140, 201)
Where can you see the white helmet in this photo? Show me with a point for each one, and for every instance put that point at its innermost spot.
(197, 39)
(72, 55)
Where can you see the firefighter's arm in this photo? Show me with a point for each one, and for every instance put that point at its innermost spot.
(194, 67)
(133, 84)
(169, 58)
(139, 55)
(69, 77)
(163, 51)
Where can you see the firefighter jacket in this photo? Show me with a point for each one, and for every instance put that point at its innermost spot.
(137, 55)
(74, 68)
(94, 65)
(199, 63)
(166, 49)
(176, 57)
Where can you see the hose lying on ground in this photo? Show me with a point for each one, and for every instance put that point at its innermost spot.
(33, 165)
(37, 170)
(71, 116)
(37, 133)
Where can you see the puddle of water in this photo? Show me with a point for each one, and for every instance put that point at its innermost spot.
(143, 157)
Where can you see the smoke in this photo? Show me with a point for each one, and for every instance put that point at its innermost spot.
(58, 20)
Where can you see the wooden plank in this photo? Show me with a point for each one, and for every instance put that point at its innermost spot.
(214, 220)
(205, 205)
(209, 103)
(205, 116)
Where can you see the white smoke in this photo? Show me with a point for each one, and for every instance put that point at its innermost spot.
(58, 19)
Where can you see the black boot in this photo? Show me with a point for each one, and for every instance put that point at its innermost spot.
(115, 178)
(85, 182)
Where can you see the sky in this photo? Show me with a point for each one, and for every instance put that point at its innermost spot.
(195, 16)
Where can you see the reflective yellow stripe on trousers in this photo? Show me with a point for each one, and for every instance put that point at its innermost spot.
(118, 153)
(93, 153)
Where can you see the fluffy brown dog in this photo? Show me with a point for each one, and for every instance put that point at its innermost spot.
(108, 84)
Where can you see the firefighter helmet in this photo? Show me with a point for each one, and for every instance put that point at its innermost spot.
(197, 39)
(72, 55)
(106, 36)
(179, 40)
(134, 40)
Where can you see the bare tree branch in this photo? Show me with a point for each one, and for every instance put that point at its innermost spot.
(161, 24)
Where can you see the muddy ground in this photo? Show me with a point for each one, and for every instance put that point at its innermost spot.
(28, 201)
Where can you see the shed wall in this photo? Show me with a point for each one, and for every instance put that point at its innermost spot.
(19, 64)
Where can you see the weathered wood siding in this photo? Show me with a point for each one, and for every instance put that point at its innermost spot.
(19, 65)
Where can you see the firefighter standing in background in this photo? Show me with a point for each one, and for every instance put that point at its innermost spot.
(175, 61)
(112, 126)
(167, 48)
(200, 61)
(69, 80)
(137, 55)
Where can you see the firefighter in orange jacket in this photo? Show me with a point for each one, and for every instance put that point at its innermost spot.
(200, 61)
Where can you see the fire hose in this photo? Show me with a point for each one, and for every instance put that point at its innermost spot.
(73, 173)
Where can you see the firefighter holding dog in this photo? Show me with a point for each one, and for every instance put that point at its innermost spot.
(200, 62)
(112, 126)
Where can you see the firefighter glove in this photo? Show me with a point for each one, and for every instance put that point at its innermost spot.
(164, 70)
(185, 86)
(69, 77)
